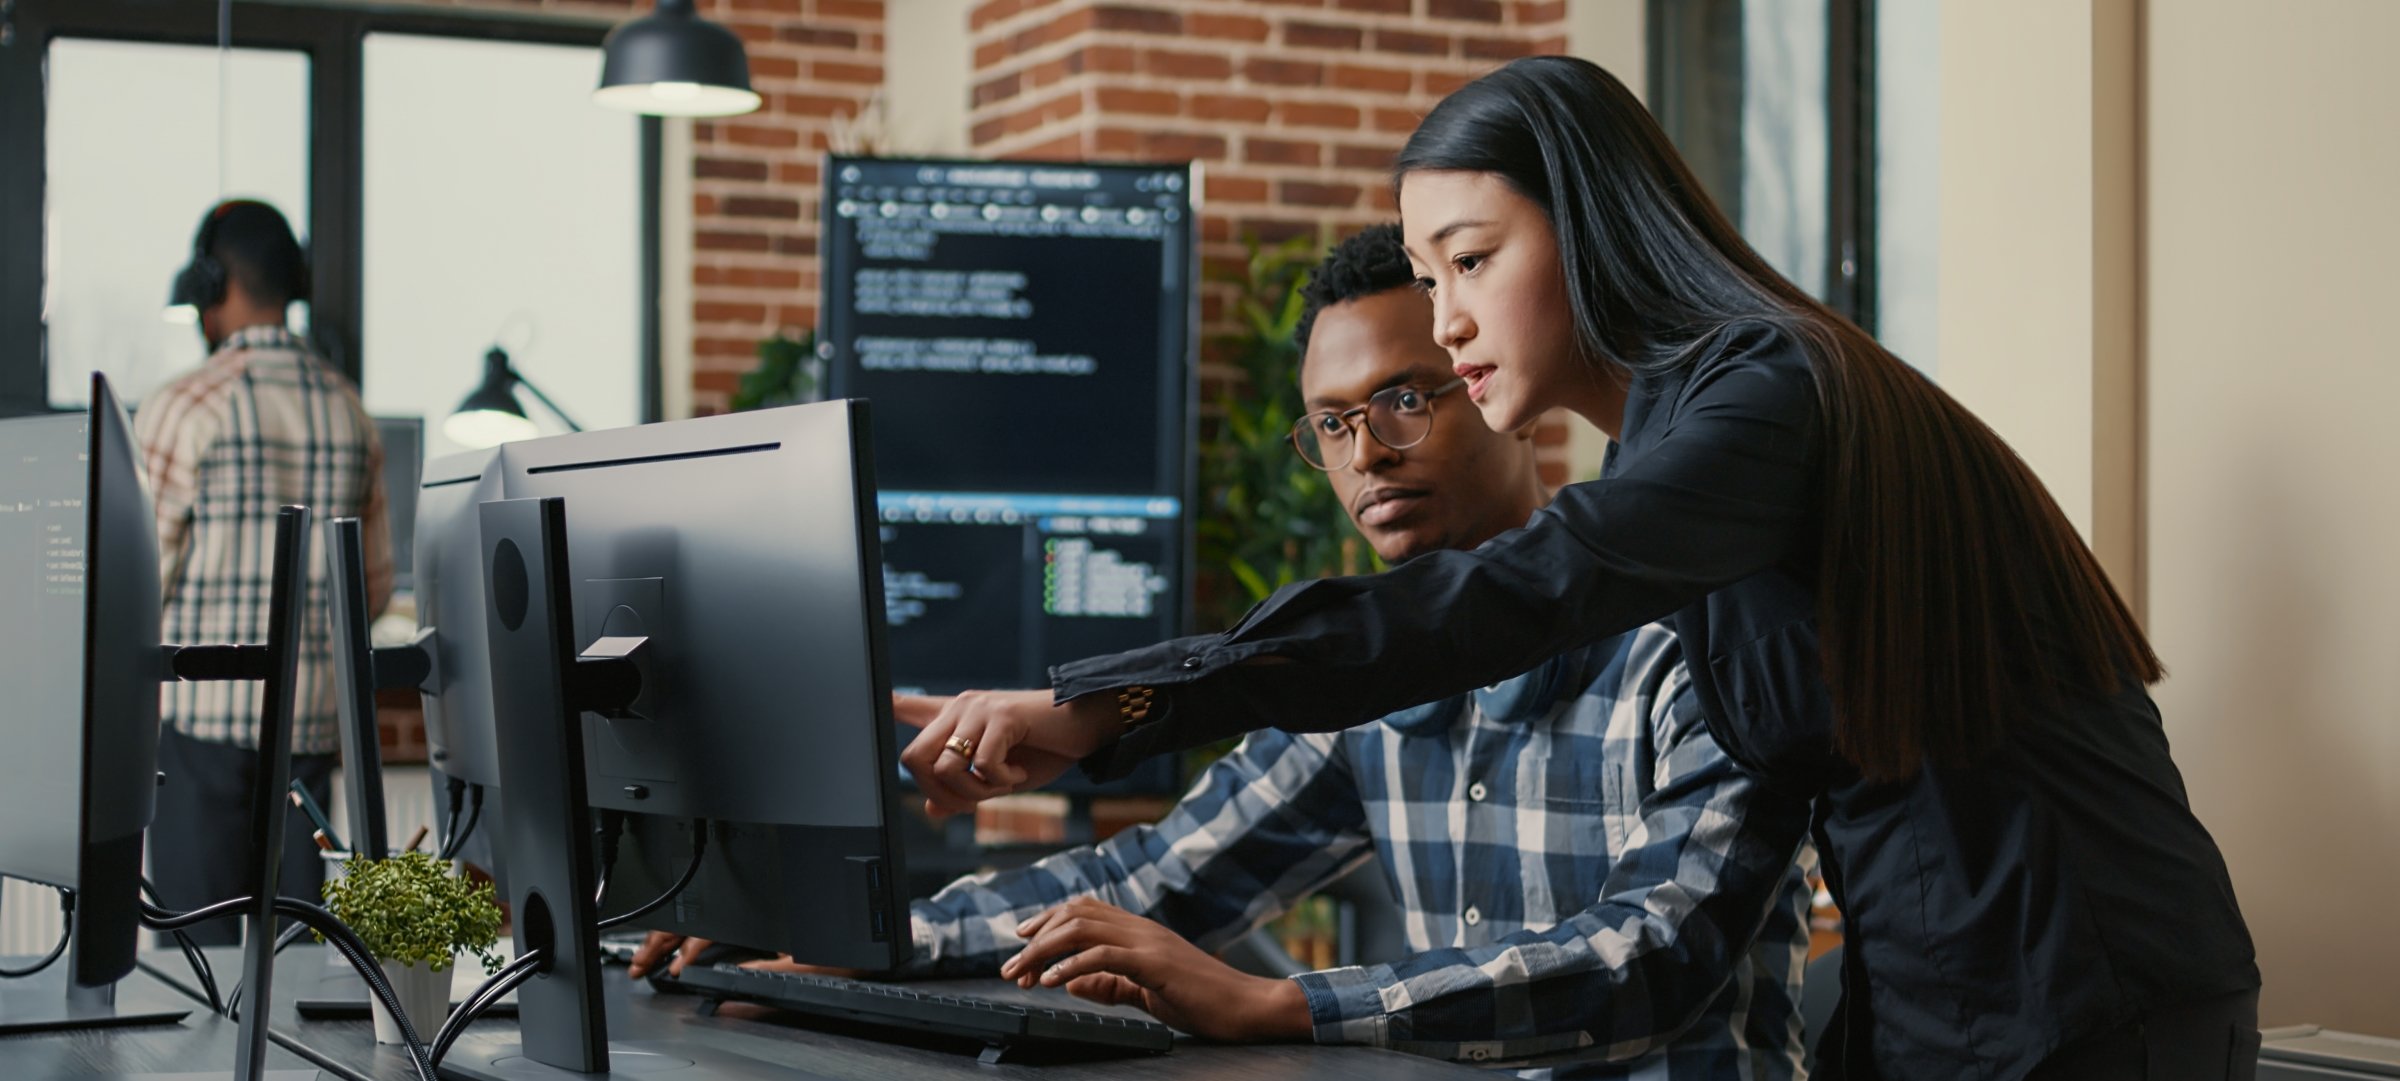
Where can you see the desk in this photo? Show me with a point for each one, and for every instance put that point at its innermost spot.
(818, 1046)
(202, 1042)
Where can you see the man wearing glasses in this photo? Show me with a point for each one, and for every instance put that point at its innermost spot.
(1590, 889)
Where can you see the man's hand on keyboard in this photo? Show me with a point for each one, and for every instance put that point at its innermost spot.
(1103, 953)
(1020, 741)
(677, 951)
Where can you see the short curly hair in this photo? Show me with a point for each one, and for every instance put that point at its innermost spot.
(1368, 262)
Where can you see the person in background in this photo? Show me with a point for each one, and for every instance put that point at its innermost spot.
(263, 422)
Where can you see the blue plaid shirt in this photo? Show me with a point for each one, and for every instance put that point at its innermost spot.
(1580, 866)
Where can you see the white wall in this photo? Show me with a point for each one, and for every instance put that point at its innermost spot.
(2274, 473)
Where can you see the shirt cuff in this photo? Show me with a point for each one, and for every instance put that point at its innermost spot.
(1166, 664)
(1345, 1005)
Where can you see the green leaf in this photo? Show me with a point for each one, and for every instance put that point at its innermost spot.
(410, 909)
(786, 374)
(1260, 505)
(1250, 579)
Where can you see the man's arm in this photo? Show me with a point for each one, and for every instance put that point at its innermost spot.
(1264, 825)
(1712, 855)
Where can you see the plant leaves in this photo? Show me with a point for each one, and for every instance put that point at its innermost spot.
(410, 909)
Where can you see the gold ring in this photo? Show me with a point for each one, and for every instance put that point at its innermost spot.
(964, 746)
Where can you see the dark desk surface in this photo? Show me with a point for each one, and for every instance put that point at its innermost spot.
(818, 1046)
(201, 1042)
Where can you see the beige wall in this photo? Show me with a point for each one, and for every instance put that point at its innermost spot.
(2034, 325)
(925, 90)
(2274, 473)
(1609, 33)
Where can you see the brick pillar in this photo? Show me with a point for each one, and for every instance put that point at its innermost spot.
(1293, 109)
(755, 177)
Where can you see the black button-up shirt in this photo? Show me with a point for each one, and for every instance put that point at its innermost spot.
(1993, 914)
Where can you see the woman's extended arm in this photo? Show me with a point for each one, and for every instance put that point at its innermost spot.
(1716, 484)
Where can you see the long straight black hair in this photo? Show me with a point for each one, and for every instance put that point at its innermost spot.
(1950, 587)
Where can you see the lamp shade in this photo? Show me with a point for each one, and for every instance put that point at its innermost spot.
(672, 62)
(491, 414)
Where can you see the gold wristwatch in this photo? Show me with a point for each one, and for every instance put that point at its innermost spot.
(1133, 704)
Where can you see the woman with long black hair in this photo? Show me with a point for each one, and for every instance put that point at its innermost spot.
(1884, 609)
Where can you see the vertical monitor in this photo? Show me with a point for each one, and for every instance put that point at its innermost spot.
(1025, 333)
(81, 660)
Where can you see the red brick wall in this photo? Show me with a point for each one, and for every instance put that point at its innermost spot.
(755, 184)
(1294, 108)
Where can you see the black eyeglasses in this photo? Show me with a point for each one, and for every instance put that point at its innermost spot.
(1398, 417)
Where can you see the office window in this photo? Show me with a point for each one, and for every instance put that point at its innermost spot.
(138, 147)
(1908, 152)
(1784, 203)
(501, 206)
(1771, 104)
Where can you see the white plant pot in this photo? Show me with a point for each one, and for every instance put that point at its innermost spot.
(423, 993)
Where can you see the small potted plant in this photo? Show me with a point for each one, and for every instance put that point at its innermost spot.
(416, 918)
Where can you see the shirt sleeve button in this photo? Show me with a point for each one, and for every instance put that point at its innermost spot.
(1191, 662)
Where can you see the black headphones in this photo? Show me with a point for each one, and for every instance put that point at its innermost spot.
(201, 282)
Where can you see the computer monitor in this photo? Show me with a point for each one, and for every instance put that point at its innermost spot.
(459, 736)
(80, 656)
(742, 552)
(354, 684)
(1026, 332)
(403, 464)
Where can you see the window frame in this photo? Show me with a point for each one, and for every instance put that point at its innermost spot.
(334, 41)
(1696, 80)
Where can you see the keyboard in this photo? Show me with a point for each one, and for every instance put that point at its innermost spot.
(1009, 1031)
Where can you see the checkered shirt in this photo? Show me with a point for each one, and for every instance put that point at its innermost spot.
(263, 423)
(1580, 867)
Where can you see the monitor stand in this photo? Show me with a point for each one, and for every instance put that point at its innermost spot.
(540, 689)
(48, 1001)
(276, 666)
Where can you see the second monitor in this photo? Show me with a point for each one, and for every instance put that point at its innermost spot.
(742, 548)
(1025, 331)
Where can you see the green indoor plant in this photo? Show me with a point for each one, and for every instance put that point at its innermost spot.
(786, 373)
(416, 918)
(1267, 518)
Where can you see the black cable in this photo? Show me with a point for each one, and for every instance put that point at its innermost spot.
(161, 919)
(202, 971)
(474, 816)
(611, 830)
(341, 937)
(491, 991)
(699, 849)
(233, 998)
(336, 933)
(534, 960)
(458, 798)
(66, 905)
